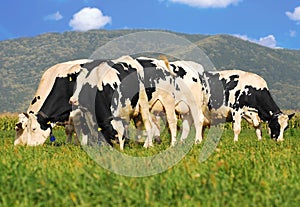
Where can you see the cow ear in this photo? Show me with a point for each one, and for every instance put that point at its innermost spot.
(291, 115)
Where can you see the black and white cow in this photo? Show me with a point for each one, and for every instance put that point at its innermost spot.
(113, 93)
(182, 81)
(235, 94)
(49, 105)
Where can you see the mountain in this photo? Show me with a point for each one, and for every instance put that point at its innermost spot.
(23, 61)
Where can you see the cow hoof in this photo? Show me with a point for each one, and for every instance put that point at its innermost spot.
(198, 141)
(148, 145)
(157, 139)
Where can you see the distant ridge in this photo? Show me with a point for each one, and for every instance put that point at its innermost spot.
(23, 60)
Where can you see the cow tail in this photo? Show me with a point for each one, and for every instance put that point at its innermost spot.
(166, 61)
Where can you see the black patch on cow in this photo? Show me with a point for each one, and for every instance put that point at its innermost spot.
(129, 87)
(98, 103)
(236, 101)
(216, 99)
(56, 106)
(149, 92)
(179, 71)
(146, 63)
(103, 103)
(220, 89)
(229, 85)
(259, 99)
(91, 65)
(152, 76)
(35, 100)
(194, 79)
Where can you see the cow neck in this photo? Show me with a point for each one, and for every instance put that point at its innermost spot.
(260, 99)
(43, 120)
(268, 110)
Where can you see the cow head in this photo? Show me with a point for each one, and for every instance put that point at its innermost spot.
(29, 131)
(278, 124)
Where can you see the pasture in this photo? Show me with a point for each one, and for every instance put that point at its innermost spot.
(246, 173)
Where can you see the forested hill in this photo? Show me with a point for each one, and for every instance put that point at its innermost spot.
(23, 61)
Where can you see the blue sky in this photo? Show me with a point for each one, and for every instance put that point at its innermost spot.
(273, 23)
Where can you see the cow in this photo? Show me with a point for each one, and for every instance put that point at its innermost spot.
(49, 105)
(235, 94)
(182, 81)
(113, 92)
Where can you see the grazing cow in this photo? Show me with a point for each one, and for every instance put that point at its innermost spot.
(49, 105)
(173, 91)
(118, 93)
(190, 97)
(235, 94)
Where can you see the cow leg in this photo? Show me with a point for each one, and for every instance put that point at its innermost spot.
(258, 132)
(69, 128)
(252, 118)
(172, 121)
(169, 105)
(198, 118)
(156, 128)
(257, 125)
(146, 117)
(148, 126)
(68, 132)
(186, 126)
(237, 118)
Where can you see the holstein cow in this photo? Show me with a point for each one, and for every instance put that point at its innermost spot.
(178, 82)
(49, 105)
(113, 92)
(235, 94)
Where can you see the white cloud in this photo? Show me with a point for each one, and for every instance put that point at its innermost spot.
(56, 16)
(207, 3)
(295, 16)
(89, 18)
(268, 41)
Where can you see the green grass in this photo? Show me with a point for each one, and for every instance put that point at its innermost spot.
(246, 173)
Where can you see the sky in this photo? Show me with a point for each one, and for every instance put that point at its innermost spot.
(271, 23)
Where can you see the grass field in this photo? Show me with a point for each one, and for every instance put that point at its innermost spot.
(246, 173)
